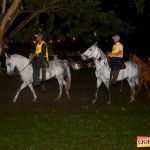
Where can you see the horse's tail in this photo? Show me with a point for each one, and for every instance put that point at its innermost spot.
(68, 77)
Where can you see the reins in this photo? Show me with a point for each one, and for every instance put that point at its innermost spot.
(24, 68)
(18, 72)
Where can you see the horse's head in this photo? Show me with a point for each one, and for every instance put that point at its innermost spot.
(10, 64)
(92, 52)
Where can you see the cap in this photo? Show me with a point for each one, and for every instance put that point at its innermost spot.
(39, 34)
(116, 37)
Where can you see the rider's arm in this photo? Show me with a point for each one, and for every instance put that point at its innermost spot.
(43, 50)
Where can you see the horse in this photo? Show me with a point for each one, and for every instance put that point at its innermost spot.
(57, 68)
(102, 72)
(145, 72)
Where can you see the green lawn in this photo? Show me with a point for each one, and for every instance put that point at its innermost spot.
(94, 127)
(74, 125)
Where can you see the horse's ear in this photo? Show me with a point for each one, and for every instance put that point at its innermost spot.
(95, 43)
(7, 56)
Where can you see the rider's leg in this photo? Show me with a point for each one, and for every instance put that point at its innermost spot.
(43, 74)
(111, 75)
(115, 75)
(36, 71)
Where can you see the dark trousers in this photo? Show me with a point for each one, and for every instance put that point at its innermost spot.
(37, 63)
(36, 67)
(116, 64)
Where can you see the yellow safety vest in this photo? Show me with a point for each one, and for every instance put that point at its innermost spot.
(39, 49)
(116, 49)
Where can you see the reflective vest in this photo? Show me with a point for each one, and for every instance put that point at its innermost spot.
(116, 49)
(39, 49)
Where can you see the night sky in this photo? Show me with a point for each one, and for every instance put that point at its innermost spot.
(139, 41)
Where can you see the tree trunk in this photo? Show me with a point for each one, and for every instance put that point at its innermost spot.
(6, 21)
(3, 7)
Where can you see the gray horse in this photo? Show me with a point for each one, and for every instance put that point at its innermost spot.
(131, 73)
(57, 68)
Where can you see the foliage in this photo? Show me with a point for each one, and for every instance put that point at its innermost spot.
(140, 5)
(77, 18)
(67, 18)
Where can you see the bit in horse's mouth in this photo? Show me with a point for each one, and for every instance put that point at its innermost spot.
(84, 57)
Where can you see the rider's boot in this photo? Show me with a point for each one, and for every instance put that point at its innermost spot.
(115, 76)
(36, 78)
(43, 74)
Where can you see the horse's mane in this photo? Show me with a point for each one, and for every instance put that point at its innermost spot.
(19, 56)
(103, 56)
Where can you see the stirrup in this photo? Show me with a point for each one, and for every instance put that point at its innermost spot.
(36, 82)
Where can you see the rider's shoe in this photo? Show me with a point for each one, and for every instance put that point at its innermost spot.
(36, 82)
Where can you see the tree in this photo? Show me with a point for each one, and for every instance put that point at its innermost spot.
(140, 5)
(79, 18)
(31, 8)
(6, 19)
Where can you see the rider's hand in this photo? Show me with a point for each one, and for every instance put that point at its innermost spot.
(109, 54)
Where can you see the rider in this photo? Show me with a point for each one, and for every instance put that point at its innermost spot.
(40, 59)
(116, 55)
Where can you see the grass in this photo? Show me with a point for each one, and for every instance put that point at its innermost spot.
(95, 128)
(72, 125)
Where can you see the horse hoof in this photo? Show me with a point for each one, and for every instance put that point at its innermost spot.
(68, 97)
(56, 99)
(14, 101)
(43, 89)
(131, 101)
(109, 102)
(34, 101)
(94, 101)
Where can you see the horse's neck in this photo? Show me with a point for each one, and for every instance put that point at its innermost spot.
(101, 66)
(22, 63)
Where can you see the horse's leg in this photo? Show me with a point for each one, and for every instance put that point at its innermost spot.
(97, 87)
(23, 85)
(67, 90)
(146, 88)
(33, 92)
(60, 82)
(132, 85)
(42, 87)
(109, 96)
(138, 84)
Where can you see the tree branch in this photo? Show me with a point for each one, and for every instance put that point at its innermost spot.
(55, 8)
(7, 18)
(3, 7)
(21, 25)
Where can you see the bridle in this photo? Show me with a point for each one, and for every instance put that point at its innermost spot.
(92, 54)
(18, 72)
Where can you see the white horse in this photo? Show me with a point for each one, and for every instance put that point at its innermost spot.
(57, 68)
(131, 73)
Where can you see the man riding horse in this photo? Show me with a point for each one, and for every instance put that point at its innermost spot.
(116, 63)
(40, 59)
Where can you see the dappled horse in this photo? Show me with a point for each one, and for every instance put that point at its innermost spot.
(145, 72)
(57, 68)
(131, 73)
